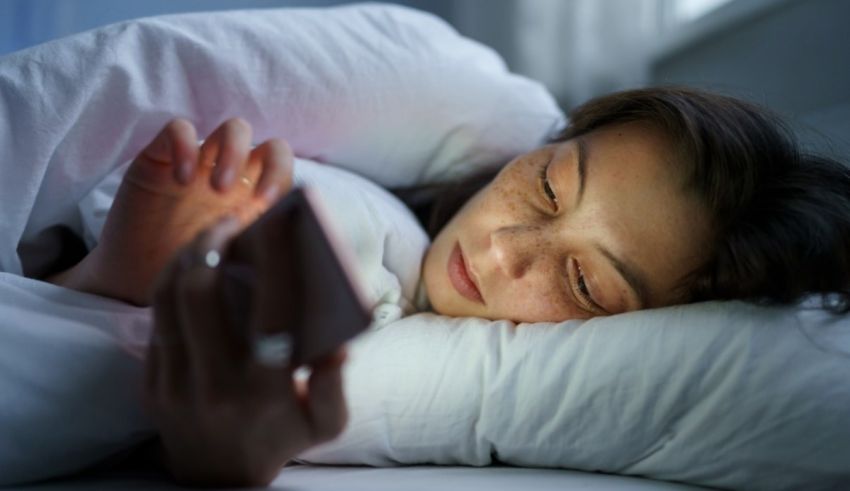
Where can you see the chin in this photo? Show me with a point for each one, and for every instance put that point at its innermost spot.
(438, 292)
(447, 302)
(450, 311)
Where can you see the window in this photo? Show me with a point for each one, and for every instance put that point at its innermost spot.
(687, 10)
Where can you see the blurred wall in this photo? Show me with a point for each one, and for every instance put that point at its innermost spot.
(791, 55)
(577, 48)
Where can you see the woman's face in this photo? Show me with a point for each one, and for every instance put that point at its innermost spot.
(609, 229)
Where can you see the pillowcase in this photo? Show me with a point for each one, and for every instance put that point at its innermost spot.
(720, 394)
(392, 93)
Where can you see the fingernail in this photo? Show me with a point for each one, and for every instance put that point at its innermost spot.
(226, 177)
(184, 171)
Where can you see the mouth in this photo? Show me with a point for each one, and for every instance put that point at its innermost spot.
(460, 277)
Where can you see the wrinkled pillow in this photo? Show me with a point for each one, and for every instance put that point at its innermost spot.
(720, 394)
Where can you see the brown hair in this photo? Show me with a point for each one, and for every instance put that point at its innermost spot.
(781, 216)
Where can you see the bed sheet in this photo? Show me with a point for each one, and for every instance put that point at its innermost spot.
(416, 478)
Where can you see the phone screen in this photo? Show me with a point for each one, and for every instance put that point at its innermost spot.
(331, 307)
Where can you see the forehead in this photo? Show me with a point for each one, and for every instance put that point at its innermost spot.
(636, 150)
(635, 203)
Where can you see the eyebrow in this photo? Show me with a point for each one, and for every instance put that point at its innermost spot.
(581, 168)
(633, 276)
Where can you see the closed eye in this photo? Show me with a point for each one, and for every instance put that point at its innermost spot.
(547, 188)
(578, 283)
(582, 292)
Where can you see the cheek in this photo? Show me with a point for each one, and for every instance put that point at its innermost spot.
(509, 199)
(538, 297)
(536, 305)
(436, 257)
(519, 177)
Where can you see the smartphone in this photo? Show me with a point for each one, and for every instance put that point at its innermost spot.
(328, 292)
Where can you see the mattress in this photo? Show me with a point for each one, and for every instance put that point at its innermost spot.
(416, 478)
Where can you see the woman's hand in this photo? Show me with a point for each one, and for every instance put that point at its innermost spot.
(172, 190)
(223, 417)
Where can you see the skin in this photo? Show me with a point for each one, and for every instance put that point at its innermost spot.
(524, 250)
(174, 189)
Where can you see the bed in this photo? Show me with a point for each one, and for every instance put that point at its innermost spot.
(414, 478)
(723, 394)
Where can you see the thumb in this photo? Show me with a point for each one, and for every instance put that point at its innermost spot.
(327, 410)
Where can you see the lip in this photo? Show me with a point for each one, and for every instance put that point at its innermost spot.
(461, 278)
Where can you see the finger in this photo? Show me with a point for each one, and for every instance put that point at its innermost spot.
(327, 411)
(152, 367)
(276, 162)
(215, 351)
(176, 145)
(227, 150)
(338, 357)
(168, 374)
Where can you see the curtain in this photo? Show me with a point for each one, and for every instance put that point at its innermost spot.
(577, 48)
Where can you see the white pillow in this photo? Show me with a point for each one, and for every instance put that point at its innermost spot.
(392, 93)
(726, 395)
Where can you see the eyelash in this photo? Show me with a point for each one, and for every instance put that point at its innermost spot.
(580, 283)
(547, 189)
(584, 292)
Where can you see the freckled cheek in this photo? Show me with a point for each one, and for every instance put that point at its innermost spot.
(553, 307)
(541, 301)
(544, 306)
(508, 200)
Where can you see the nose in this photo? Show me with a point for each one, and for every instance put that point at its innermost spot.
(516, 248)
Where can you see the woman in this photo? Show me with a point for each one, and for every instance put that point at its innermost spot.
(649, 198)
